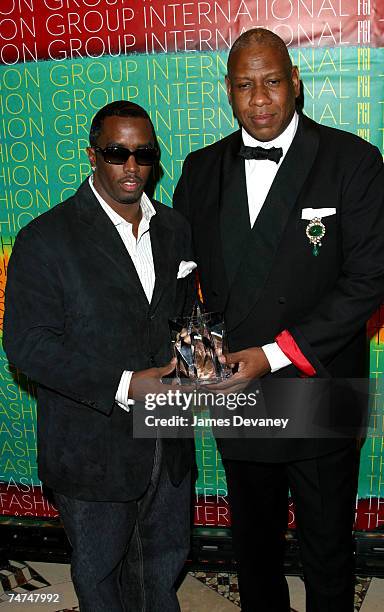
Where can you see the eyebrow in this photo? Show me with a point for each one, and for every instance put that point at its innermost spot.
(277, 73)
(120, 144)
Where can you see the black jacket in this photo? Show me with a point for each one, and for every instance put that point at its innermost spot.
(76, 316)
(267, 279)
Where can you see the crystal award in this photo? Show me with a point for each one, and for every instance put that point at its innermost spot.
(198, 342)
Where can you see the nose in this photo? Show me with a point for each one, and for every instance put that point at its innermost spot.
(260, 95)
(131, 164)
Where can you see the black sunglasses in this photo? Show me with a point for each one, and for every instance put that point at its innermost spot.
(115, 154)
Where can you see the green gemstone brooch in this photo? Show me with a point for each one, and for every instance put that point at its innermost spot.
(315, 231)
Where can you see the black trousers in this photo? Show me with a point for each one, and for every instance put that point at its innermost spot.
(324, 492)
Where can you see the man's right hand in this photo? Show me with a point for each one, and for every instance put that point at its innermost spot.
(149, 381)
(252, 364)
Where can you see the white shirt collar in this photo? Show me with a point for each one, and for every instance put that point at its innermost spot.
(284, 140)
(146, 206)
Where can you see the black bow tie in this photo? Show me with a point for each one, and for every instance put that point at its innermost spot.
(273, 154)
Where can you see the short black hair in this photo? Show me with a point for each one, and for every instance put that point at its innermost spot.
(120, 108)
(260, 36)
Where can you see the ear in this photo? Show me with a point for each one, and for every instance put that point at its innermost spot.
(91, 156)
(296, 80)
(229, 89)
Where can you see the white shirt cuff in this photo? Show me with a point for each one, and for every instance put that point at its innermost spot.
(277, 359)
(121, 396)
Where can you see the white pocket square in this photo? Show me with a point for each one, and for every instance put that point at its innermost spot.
(317, 213)
(186, 268)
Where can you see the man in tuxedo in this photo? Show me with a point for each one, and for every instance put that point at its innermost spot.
(91, 286)
(288, 230)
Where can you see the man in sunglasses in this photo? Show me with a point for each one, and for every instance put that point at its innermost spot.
(91, 286)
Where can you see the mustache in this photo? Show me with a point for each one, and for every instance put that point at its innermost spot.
(131, 178)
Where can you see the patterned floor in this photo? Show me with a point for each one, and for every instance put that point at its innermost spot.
(226, 585)
(19, 577)
(24, 582)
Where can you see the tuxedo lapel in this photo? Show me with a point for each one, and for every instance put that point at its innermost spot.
(207, 238)
(264, 239)
(235, 225)
(100, 231)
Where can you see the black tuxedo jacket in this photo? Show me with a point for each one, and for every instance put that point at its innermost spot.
(267, 279)
(77, 316)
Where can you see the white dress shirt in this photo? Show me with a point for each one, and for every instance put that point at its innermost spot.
(140, 251)
(259, 175)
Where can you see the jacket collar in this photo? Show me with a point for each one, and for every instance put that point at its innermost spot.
(98, 228)
(257, 255)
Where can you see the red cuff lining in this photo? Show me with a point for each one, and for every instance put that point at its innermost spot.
(289, 347)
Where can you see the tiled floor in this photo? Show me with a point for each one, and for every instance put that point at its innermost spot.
(226, 585)
(199, 592)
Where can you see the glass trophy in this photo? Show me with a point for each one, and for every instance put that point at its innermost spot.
(198, 342)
